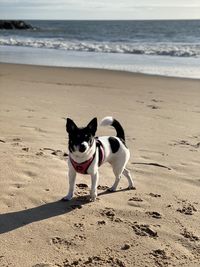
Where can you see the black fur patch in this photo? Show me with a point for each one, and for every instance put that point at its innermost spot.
(79, 135)
(119, 129)
(114, 144)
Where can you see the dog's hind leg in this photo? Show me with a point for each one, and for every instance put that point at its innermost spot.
(114, 186)
(118, 170)
(127, 174)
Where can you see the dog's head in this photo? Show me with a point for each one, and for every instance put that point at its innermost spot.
(81, 139)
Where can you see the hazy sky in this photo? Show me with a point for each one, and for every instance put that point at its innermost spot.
(100, 9)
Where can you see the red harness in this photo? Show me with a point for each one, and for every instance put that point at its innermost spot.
(84, 166)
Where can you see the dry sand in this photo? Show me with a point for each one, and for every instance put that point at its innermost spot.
(156, 225)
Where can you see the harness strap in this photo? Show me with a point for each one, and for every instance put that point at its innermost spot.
(84, 166)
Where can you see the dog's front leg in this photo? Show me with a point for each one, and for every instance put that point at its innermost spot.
(72, 178)
(94, 182)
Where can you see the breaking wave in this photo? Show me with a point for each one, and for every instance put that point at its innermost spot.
(161, 49)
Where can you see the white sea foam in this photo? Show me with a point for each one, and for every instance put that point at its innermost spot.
(159, 49)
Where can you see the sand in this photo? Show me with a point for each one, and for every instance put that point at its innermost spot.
(155, 225)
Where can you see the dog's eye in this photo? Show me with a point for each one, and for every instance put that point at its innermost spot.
(86, 136)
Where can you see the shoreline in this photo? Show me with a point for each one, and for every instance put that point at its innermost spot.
(145, 64)
(102, 70)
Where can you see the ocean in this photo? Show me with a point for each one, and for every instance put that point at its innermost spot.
(169, 48)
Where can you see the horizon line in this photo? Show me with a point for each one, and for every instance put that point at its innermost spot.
(156, 19)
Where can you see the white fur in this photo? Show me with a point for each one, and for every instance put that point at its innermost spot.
(107, 121)
(118, 161)
(78, 156)
(81, 157)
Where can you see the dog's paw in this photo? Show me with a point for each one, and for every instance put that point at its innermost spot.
(111, 189)
(66, 198)
(132, 187)
(93, 197)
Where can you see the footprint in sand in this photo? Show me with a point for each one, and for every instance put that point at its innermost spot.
(154, 195)
(59, 153)
(109, 213)
(79, 237)
(153, 106)
(144, 230)
(96, 261)
(26, 149)
(55, 152)
(16, 141)
(82, 194)
(156, 100)
(102, 187)
(82, 190)
(40, 153)
(76, 206)
(101, 222)
(60, 242)
(185, 143)
(190, 235)
(79, 226)
(15, 144)
(160, 257)
(187, 209)
(138, 203)
(137, 199)
(125, 247)
(154, 214)
(82, 186)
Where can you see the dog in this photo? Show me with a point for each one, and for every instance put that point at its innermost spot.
(87, 153)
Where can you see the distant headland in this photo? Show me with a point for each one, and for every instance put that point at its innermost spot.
(14, 25)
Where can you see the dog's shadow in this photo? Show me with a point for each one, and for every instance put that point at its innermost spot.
(13, 220)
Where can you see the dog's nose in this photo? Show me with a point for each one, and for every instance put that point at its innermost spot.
(82, 148)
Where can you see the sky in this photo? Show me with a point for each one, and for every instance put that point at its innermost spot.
(100, 9)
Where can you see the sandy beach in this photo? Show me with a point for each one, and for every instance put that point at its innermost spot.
(155, 225)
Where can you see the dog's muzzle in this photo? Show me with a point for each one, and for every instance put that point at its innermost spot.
(82, 148)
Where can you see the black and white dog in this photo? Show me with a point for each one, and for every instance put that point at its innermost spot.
(87, 153)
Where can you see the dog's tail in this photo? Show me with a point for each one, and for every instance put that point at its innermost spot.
(110, 121)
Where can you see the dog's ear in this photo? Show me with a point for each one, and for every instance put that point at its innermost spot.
(92, 126)
(70, 126)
